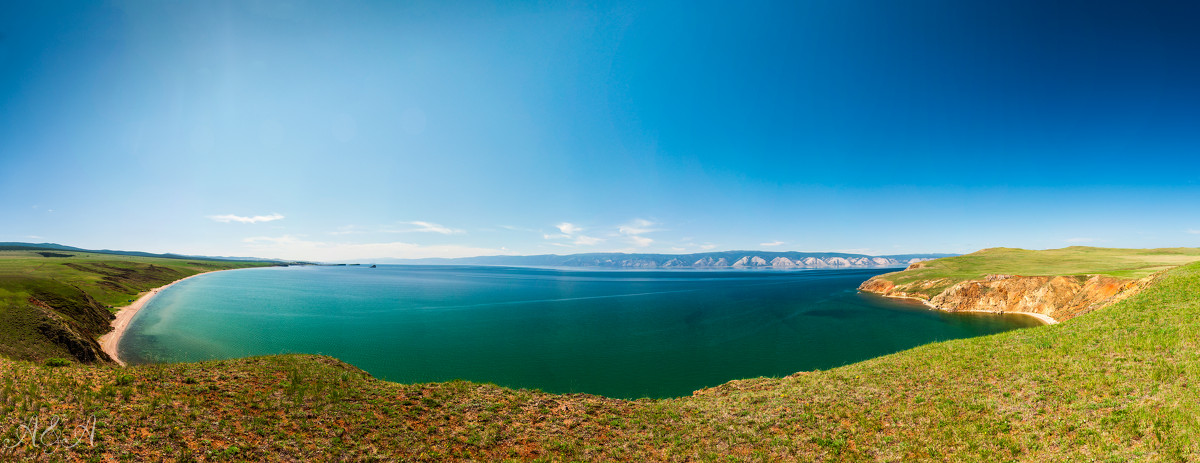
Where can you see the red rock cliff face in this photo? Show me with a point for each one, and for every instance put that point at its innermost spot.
(1059, 297)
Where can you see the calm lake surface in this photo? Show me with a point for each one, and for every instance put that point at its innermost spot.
(615, 333)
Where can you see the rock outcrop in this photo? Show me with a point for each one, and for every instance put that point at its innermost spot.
(1058, 298)
(751, 262)
(782, 262)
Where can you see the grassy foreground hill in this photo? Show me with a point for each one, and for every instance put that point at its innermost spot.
(1116, 384)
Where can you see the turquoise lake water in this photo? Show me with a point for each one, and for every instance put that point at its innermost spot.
(615, 333)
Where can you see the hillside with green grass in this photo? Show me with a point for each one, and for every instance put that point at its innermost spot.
(1117, 384)
(55, 303)
(1053, 285)
(1072, 261)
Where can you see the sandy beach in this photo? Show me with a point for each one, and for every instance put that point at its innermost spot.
(111, 340)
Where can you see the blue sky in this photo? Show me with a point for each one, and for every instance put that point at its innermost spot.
(334, 130)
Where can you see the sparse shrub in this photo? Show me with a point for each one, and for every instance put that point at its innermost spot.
(57, 362)
(124, 380)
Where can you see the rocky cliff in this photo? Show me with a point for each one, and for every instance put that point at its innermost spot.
(1057, 297)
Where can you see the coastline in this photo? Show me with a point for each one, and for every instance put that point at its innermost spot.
(110, 341)
(1046, 319)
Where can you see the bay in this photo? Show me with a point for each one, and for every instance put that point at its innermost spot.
(615, 333)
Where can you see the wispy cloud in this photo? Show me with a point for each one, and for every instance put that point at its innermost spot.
(227, 218)
(1194, 232)
(415, 226)
(297, 247)
(429, 227)
(641, 241)
(635, 229)
(574, 233)
(772, 243)
(584, 240)
(630, 233)
(568, 228)
(348, 230)
(708, 246)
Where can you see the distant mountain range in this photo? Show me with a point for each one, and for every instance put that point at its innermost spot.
(724, 259)
(15, 246)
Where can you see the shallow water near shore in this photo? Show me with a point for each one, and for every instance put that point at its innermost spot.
(624, 334)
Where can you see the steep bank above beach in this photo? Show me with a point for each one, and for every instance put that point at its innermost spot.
(57, 304)
(1054, 285)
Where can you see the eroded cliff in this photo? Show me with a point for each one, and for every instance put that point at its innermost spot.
(1058, 297)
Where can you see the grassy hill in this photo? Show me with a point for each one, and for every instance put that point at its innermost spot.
(55, 303)
(1072, 261)
(1116, 384)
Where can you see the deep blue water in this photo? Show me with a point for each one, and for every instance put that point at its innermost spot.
(613, 333)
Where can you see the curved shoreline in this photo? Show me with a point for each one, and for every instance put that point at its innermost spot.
(1042, 317)
(110, 341)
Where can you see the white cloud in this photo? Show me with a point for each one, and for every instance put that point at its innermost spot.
(421, 227)
(568, 228)
(296, 247)
(631, 232)
(428, 227)
(1194, 232)
(571, 232)
(637, 227)
(708, 246)
(773, 243)
(227, 218)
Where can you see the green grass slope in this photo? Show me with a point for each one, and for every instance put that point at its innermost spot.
(1117, 384)
(1075, 260)
(56, 303)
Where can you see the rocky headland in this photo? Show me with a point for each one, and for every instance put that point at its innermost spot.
(1051, 298)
